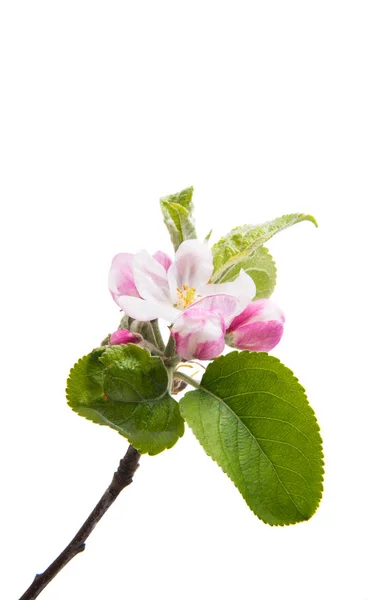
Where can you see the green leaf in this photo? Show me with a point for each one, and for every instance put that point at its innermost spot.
(243, 241)
(126, 388)
(260, 266)
(252, 417)
(177, 210)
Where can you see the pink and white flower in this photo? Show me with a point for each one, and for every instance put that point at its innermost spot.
(149, 287)
(199, 332)
(259, 327)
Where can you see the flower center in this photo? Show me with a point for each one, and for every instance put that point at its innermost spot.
(186, 296)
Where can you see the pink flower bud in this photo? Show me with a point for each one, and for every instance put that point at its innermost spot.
(258, 328)
(199, 333)
(123, 336)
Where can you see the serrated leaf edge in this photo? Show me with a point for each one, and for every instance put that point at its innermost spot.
(313, 417)
(74, 405)
(298, 218)
(125, 436)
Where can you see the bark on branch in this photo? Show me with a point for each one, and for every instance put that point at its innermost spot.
(121, 479)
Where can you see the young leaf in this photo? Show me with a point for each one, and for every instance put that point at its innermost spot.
(252, 417)
(126, 388)
(177, 210)
(260, 266)
(242, 241)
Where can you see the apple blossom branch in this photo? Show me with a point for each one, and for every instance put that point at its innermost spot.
(121, 479)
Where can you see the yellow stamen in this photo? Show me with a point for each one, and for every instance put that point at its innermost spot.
(186, 296)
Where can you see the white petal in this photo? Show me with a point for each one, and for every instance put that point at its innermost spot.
(150, 278)
(193, 266)
(144, 310)
(243, 288)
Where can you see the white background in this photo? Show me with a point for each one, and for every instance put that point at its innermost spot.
(105, 107)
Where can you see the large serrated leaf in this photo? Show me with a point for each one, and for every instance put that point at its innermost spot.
(177, 210)
(260, 266)
(243, 241)
(252, 417)
(126, 388)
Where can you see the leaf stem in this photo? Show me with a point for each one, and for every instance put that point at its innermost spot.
(121, 479)
(157, 335)
(187, 379)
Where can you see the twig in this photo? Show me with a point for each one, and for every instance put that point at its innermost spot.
(122, 478)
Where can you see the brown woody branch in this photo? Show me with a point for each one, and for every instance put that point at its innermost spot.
(121, 479)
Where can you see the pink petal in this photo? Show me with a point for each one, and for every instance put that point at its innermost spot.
(210, 350)
(150, 278)
(259, 327)
(124, 336)
(199, 334)
(260, 310)
(121, 280)
(222, 304)
(163, 259)
(256, 336)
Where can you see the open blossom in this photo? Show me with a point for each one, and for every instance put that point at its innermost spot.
(259, 327)
(149, 287)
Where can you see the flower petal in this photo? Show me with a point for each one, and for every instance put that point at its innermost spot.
(260, 310)
(243, 287)
(211, 349)
(199, 334)
(222, 304)
(150, 278)
(121, 279)
(147, 310)
(163, 259)
(124, 336)
(193, 266)
(259, 336)
(259, 327)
